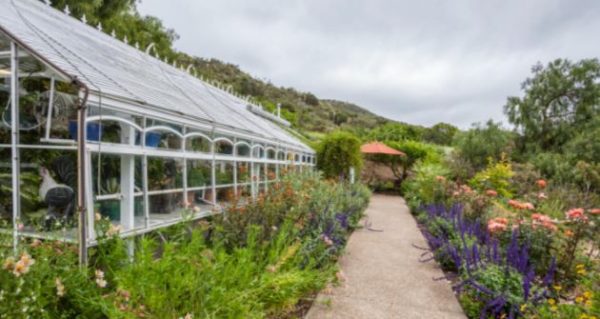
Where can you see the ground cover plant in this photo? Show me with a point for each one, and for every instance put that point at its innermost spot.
(254, 261)
(514, 247)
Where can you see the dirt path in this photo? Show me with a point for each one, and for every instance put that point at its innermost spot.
(383, 275)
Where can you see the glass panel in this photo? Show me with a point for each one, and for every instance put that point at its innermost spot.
(271, 172)
(243, 172)
(198, 143)
(48, 189)
(163, 138)
(199, 173)
(5, 72)
(171, 204)
(5, 188)
(223, 147)
(224, 173)
(258, 152)
(243, 150)
(271, 153)
(225, 195)
(111, 131)
(164, 173)
(199, 200)
(35, 91)
(5, 152)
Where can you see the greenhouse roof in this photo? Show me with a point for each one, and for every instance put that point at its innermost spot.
(114, 69)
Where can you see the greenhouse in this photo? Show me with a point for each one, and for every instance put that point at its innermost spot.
(94, 127)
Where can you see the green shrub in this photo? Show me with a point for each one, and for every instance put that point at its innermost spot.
(337, 153)
(496, 176)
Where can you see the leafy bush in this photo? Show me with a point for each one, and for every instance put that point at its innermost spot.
(237, 266)
(337, 153)
(496, 176)
(480, 143)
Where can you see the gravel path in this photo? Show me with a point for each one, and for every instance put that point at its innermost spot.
(383, 277)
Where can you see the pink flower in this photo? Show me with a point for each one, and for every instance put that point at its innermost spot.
(440, 178)
(594, 211)
(497, 225)
(542, 195)
(576, 214)
(491, 193)
(528, 206)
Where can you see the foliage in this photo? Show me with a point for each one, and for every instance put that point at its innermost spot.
(496, 176)
(441, 133)
(480, 143)
(337, 153)
(201, 269)
(395, 132)
(559, 99)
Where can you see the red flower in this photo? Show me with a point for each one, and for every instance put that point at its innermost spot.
(541, 183)
(576, 214)
(491, 193)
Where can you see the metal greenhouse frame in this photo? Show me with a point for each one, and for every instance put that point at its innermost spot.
(92, 125)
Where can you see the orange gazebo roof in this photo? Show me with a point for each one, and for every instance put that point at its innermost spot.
(379, 148)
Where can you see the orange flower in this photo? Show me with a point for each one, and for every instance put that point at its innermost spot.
(540, 218)
(541, 183)
(576, 214)
(491, 193)
(569, 233)
(440, 178)
(528, 206)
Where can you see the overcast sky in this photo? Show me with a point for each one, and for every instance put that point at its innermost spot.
(420, 62)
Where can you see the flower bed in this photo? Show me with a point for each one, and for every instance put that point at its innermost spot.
(255, 261)
(509, 256)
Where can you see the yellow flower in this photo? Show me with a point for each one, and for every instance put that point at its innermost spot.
(588, 303)
(588, 294)
(553, 308)
(584, 316)
(581, 272)
(551, 301)
(523, 307)
(580, 266)
(557, 287)
(579, 299)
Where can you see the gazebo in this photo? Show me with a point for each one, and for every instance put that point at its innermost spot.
(93, 125)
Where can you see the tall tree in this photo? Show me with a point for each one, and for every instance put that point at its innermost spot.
(558, 99)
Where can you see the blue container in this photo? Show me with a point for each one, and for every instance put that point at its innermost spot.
(94, 130)
(152, 139)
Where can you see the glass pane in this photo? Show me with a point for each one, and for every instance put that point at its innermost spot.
(223, 147)
(197, 143)
(5, 188)
(48, 189)
(166, 204)
(163, 138)
(243, 172)
(164, 173)
(224, 173)
(5, 72)
(199, 173)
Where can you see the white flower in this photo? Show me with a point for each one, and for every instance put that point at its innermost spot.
(60, 288)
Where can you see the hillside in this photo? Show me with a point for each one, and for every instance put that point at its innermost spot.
(304, 110)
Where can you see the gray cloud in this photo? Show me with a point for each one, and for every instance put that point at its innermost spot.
(415, 61)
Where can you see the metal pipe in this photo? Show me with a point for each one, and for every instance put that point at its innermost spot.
(81, 154)
(15, 160)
